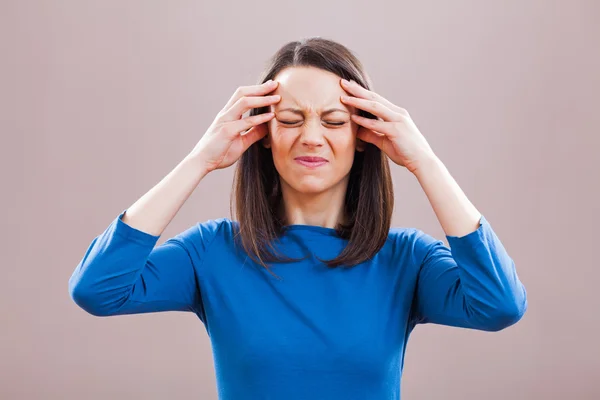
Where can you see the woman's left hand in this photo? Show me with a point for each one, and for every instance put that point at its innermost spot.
(395, 133)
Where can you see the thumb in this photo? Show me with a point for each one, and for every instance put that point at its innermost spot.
(370, 136)
(253, 135)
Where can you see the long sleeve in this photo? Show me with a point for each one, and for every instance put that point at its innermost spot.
(471, 284)
(122, 272)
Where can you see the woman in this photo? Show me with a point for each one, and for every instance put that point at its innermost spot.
(309, 292)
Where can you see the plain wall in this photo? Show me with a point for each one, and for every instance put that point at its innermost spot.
(100, 99)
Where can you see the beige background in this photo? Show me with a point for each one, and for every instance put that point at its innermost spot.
(100, 99)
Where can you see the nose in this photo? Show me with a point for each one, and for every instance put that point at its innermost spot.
(312, 134)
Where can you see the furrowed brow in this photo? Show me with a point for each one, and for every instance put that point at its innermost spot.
(325, 112)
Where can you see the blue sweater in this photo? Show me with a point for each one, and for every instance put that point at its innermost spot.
(315, 333)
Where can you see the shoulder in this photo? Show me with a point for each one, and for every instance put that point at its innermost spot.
(203, 233)
(408, 236)
(412, 242)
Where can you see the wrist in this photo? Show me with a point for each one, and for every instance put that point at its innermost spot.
(198, 163)
(424, 164)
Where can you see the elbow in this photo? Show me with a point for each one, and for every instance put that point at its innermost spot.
(86, 299)
(86, 303)
(507, 315)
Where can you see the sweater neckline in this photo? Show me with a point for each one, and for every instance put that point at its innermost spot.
(311, 228)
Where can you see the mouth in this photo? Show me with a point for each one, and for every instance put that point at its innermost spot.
(311, 162)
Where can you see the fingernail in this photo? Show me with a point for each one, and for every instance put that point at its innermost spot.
(345, 81)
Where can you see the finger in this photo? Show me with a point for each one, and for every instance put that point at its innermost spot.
(377, 125)
(253, 90)
(370, 136)
(246, 103)
(355, 89)
(373, 106)
(233, 128)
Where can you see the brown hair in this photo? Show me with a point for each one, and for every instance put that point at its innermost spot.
(369, 199)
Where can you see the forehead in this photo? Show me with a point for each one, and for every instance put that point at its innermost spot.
(309, 88)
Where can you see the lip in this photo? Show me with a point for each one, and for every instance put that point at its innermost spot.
(311, 162)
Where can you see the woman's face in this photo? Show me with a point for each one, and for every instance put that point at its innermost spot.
(311, 121)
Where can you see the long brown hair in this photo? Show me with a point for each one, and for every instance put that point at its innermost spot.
(369, 199)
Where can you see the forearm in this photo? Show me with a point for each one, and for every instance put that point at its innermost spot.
(153, 212)
(456, 214)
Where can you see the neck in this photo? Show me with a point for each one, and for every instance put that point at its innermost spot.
(324, 209)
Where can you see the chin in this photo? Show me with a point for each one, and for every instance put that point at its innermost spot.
(310, 185)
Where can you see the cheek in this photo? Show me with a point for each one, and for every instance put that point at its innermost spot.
(343, 141)
(282, 138)
(281, 144)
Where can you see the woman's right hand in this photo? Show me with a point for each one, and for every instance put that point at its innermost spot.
(223, 143)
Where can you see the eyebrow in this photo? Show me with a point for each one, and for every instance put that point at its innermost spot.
(299, 111)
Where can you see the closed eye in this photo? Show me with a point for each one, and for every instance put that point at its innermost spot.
(329, 123)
